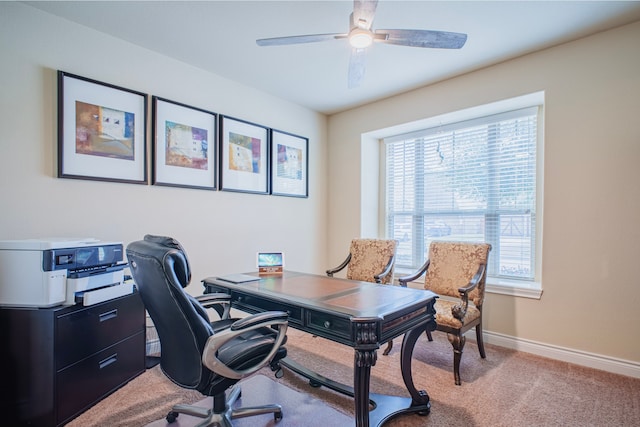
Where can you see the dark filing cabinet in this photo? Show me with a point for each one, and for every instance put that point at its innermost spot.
(58, 362)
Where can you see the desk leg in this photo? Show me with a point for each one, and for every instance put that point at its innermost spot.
(419, 398)
(362, 363)
(383, 407)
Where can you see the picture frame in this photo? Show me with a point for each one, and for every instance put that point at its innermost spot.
(289, 164)
(270, 263)
(102, 131)
(244, 156)
(184, 145)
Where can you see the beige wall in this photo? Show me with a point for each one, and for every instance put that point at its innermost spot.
(591, 195)
(221, 230)
(591, 200)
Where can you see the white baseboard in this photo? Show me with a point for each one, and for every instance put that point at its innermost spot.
(591, 360)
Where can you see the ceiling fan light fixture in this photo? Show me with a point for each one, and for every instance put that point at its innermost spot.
(360, 38)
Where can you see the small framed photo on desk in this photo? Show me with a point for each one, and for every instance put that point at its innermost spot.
(270, 263)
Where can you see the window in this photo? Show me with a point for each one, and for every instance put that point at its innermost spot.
(473, 180)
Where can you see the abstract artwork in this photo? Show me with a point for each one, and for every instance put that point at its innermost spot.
(289, 163)
(102, 131)
(244, 153)
(187, 146)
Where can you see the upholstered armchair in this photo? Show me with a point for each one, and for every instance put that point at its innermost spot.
(456, 270)
(197, 353)
(369, 260)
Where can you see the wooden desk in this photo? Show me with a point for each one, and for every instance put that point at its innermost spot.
(358, 314)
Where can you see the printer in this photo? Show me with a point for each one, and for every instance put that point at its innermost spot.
(56, 271)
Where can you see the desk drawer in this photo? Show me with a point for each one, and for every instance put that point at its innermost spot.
(328, 325)
(86, 331)
(260, 304)
(84, 383)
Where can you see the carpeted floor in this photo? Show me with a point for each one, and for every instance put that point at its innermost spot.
(508, 388)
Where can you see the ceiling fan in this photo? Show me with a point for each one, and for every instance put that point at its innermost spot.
(361, 36)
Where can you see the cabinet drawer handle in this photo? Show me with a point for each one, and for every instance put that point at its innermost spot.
(109, 315)
(108, 361)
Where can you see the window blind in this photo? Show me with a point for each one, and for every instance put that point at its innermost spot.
(467, 181)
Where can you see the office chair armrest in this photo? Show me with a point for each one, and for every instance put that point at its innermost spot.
(219, 301)
(460, 310)
(406, 279)
(260, 318)
(277, 320)
(340, 267)
(378, 277)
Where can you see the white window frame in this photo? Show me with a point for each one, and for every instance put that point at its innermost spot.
(520, 288)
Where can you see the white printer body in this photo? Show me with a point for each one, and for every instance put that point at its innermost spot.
(50, 272)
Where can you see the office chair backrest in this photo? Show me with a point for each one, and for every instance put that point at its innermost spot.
(160, 269)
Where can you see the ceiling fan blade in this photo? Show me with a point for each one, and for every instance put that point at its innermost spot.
(310, 38)
(356, 67)
(423, 38)
(363, 13)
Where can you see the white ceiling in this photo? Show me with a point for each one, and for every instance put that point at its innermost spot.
(219, 36)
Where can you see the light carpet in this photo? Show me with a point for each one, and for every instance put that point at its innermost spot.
(508, 388)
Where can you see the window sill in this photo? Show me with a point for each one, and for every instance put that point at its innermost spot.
(515, 288)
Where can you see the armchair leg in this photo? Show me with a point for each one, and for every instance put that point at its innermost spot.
(480, 341)
(388, 349)
(457, 341)
(429, 337)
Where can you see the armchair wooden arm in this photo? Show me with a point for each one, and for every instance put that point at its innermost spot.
(387, 270)
(460, 310)
(406, 279)
(332, 271)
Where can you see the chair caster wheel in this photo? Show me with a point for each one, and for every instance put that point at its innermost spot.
(277, 416)
(314, 384)
(171, 417)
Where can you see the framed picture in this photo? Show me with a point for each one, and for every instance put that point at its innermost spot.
(184, 145)
(101, 131)
(289, 164)
(244, 156)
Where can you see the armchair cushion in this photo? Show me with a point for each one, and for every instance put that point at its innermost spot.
(444, 314)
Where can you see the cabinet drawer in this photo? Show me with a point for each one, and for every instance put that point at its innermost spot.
(83, 332)
(82, 384)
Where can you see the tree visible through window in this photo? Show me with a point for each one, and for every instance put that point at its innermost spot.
(468, 181)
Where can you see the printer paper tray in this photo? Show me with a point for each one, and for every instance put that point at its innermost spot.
(104, 294)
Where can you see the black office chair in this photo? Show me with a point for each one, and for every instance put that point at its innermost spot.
(195, 353)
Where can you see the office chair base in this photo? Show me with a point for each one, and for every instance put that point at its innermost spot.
(224, 419)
